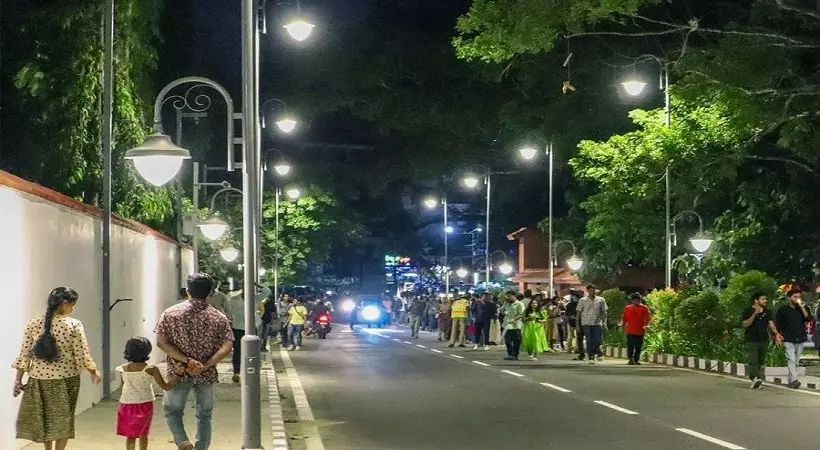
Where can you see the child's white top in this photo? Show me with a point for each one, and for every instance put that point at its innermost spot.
(137, 387)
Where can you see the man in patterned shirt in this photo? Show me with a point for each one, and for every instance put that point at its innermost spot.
(195, 337)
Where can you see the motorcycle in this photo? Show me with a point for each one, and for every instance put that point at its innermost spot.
(322, 325)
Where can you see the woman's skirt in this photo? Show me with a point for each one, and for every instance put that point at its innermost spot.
(134, 420)
(47, 409)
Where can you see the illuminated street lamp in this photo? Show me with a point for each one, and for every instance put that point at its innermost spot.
(470, 181)
(299, 29)
(430, 203)
(700, 241)
(462, 272)
(213, 228)
(282, 168)
(633, 87)
(229, 254)
(449, 229)
(574, 262)
(529, 152)
(505, 268)
(286, 125)
(158, 160)
(293, 193)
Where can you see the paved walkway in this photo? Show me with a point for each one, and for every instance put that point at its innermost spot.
(96, 427)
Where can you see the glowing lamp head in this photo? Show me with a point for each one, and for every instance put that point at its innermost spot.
(293, 193)
(574, 263)
(262, 271)
(229, 254)
(701, 242)
(286, 125)
(299, 29)
(430, 203)
(528, 152)
(213, 228)
(633, 87)
(470, 181)
(462, 272)
(370, 313)
(157, 160)
(282, 168)
(348, 305)
(505, 268)
(449, 229)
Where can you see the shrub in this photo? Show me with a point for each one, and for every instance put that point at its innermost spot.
(699, 318)
(662, 303)
(615, 302)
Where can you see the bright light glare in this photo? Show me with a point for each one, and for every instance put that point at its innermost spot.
(470, 181)
(701, 242)
(229, 254)
(462, 272)
(574, 263)
(370, 313)
(633, 87)
(505, 268)
(158, 170)
(213, 228)
(293, 193)
(262, 271)
(328, 292)
(348, 305)
(299, 29)
(528, 152)
(430, 203)
(286, 125)
(282, 168)
(449, 229)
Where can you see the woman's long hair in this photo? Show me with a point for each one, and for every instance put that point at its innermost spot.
(530, 308)
(46, 346)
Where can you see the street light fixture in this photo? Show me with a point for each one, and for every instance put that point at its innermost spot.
(213, 228)
(528, 152)
(633, 87)
(293, 193)
(282, 168)
(299, 29)
(430, 203)
(471, 181)
(449, 229)
(574, 262)
(158, 160)
(286, 125)
(505, 268)
(462, 272)
(700, 241)
(229, 254)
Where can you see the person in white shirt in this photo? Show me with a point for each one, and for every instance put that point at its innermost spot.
(592, 311)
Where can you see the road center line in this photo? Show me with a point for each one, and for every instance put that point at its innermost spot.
(710, 439)
(436, 350)
(615, 407)
(457, 356)
(557, 388)
(396, 340)
(481, 363)
(510, 372)
(408, 342)
(420, 346)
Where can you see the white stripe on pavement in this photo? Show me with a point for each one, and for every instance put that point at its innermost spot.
(557, 388)
(510, 372)
(303, 411)
(457, 356)
(436, 350)
(408, 342)
(710, 439)
(420, 346)
(481, 363)
(396, 340)
(615, 407)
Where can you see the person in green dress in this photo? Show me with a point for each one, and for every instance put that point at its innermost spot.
(534, 339)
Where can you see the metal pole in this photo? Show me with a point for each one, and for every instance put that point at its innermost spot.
(178, 202)
(276, 248)
(668, 122)
(107, 137)
(258, 151)
(446, 253)
(487, 236)
(195, 237)
(549, 234)
(251, 345)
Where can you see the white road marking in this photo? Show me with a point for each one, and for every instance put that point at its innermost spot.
(314, 442)
(396, 340)
(510, 372)
(710, 439)
(481, 363)
(408, 342)
(420, 346)
(436, 350)
(615, 407)
(457, 356)
(557, 388)
(347, 330)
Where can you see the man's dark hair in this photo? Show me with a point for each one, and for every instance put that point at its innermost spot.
(793, 291)
(757, 295)
(137, 350)
(200, 286)
(520, 296)
(635, 297)
(183, 293)
(528, 293)
(591, 286)
(511, 292)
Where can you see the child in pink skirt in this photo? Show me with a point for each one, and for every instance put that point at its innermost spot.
(137, 400)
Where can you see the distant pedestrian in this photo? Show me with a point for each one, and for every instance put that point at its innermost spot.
(297, 317)
(635, 319)
(136, 408)
(458, 317)
(592, 316)
(417, 311)
(533, 337)
(195, 338)
(553, 314)
(495, 323)
(236, 314)
(444, 320)
(791, 321)
(561, 323)
(484, 312)
(758, 321)
(513, 323)
(432, 309)
(575, 335)
(269, 323)
(53, 354)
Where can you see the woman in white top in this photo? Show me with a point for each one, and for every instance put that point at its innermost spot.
(53, 354)
(137, 400)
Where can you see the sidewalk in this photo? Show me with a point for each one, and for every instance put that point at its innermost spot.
(96, 427)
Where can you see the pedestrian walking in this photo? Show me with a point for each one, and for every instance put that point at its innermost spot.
(635, 319)
(592, 316)
(513, 322)
(432, 310)
(484, 312)
(417, 311)
(54, 353)
(284, 306)
(791, 321)
(758, 321)
(195, 338)
(561, 324)
(268, 326)
(444, 320)
(575, 335)
(458, 318)
(236, 314)
(136, 408)
(217, 299)
(553, 314)
(297, 317)
(533, 337)
(495, 323)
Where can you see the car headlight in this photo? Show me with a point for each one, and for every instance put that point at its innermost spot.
(348, 305)
(370, 313)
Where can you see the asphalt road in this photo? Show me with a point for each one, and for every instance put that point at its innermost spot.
(377, 389)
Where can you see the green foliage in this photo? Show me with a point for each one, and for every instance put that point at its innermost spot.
(615, 301)
(663, 303)
(738, 295)
(700, 316)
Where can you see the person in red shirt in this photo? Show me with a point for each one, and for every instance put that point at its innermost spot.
(635, 319)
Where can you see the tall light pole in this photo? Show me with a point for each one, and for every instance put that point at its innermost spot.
(107, 138)
(431, 203)
(293, 194)
(634, 87)
(529, 153)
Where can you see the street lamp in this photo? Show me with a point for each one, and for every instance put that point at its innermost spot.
(449, 229)
(285, 122)
(529, 152)
(633, 87)
(574, 262)
(505, 268)
(286, 125)
(471, 181)
(700, 241)
(462, 272)
(213, 228)
(282, 168)
(158, 160)
(299, 29)
(229, 254)
(430, 203)
(293, 193)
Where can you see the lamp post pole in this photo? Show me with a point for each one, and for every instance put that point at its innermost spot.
(446, 251)
(668, 122)
(549, 232)
(487, 234)
(276, 251)
(107, 137)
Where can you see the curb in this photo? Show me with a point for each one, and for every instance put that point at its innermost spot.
(277, 421)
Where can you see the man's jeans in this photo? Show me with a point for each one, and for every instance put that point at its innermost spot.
(482, 332)
(593, 335)
(458, 330)
(634, 345)
(295, 335)
(415, 323)
(174, 405)
(757, 358)
(512, 339)
(793, 352)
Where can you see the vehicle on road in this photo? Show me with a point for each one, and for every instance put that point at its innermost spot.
(322, 324)
(369, 312)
